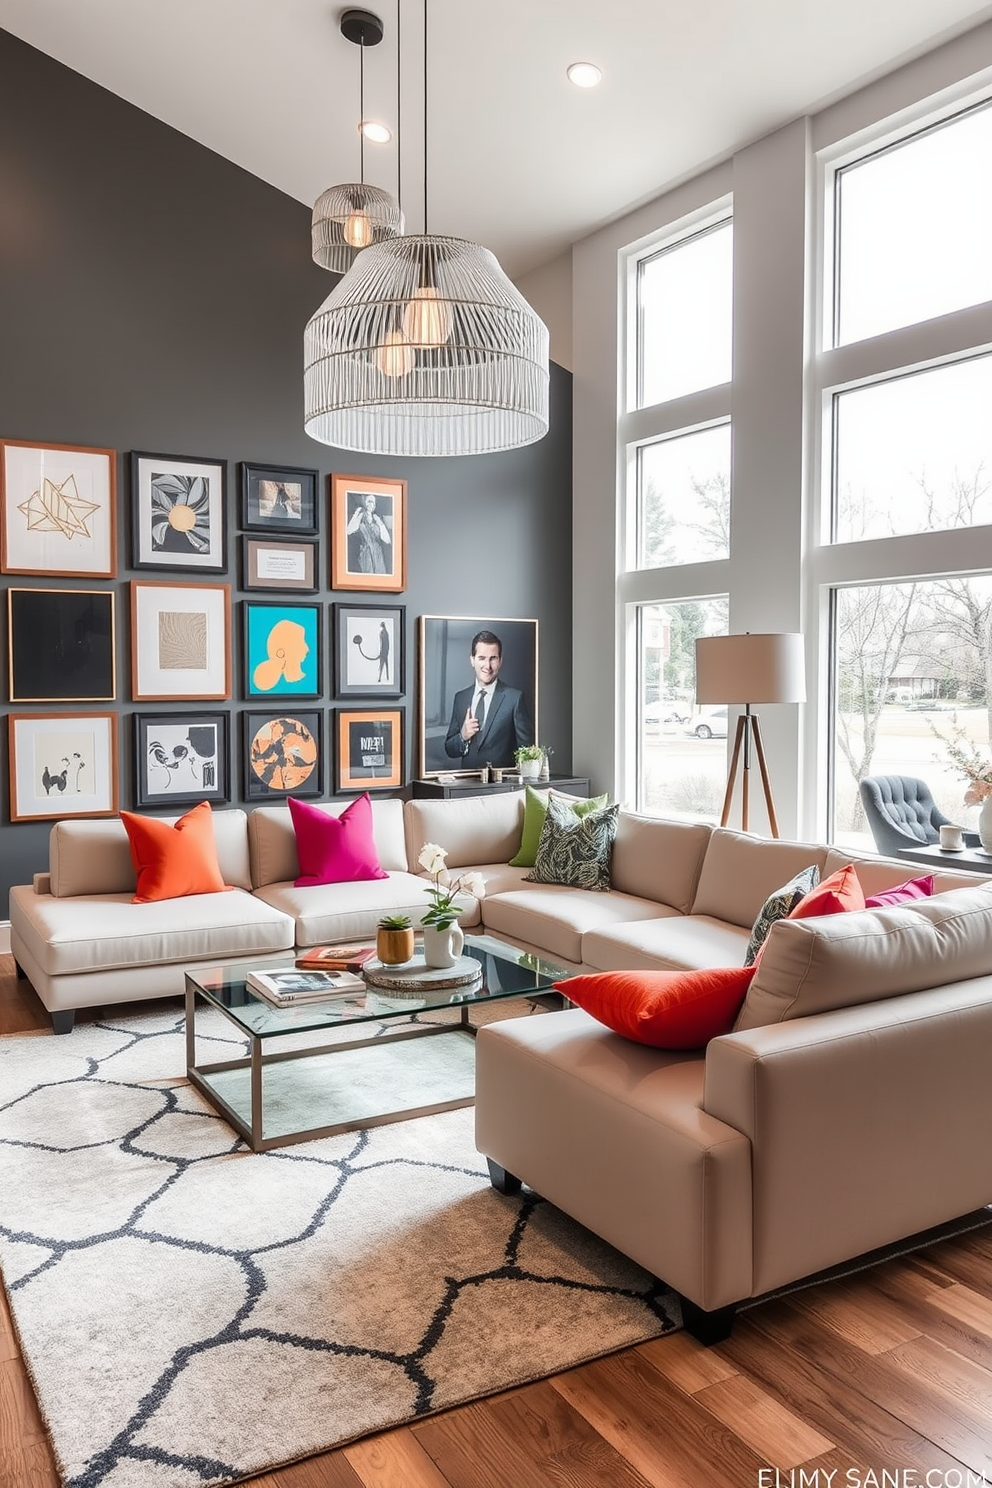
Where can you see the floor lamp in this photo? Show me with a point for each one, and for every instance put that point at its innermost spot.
(750, 669)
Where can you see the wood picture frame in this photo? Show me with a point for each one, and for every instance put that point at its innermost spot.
(178, 512)
(58, 509)
(369, 650)
(61, 645)
(370, 749)
(180, 641)
(279, 498)
(283, 655)
(282, 753)
(448, 687)
(368, 533)
(270, 564)
(181, 758)
(62, 765)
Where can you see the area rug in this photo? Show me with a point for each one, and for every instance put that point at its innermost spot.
(191, 1312)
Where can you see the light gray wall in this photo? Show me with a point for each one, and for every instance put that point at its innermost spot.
(549, 290)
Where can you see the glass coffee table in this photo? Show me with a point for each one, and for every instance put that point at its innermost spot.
(293, 1086)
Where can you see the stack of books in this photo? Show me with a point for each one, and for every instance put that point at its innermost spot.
(288, 987)
(335, 957)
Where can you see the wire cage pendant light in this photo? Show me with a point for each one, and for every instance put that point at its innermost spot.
(426, 348)
(353, 216)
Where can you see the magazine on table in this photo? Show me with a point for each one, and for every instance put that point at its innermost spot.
(335, 957)
(289, 986)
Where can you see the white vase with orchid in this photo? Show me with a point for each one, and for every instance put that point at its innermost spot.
(977, 770)
(443, 938)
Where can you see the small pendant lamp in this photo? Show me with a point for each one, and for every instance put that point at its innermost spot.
(351, 217)
(426, 348)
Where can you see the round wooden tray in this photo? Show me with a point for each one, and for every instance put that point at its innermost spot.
(416, 976)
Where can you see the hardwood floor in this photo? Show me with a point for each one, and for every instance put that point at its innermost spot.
(889, 1371)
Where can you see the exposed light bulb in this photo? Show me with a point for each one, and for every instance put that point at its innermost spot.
(427, 319)
(373, 130)
(395, 357)
(584, 74)
(357, 230)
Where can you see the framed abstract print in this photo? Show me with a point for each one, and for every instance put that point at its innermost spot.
(370, 749)
(181, 758)
(282, 649)
(180, 641)
(178, 507)
(368, 534)
(269, 564)
(62, 764)
(58, 509)
(369, 650)
(278, 498)
(283, 754)
(61, 645)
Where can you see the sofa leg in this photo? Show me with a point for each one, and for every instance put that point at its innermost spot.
(501, 1180)
(707, 1327)
(63, 1019)
(22, 975)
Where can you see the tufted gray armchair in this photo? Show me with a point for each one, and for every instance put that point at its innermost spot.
(902, 813)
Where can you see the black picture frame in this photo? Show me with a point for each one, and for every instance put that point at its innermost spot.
(264, 509)
(181, 758)
(447, 682)
(282, 647)
(61, 645)
(359, 631)
(178, 513)
(282, 753)
(277, 565)
(371, 749)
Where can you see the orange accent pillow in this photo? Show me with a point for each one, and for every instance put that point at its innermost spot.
(666, 1009)
(835, 895)
(172, 861)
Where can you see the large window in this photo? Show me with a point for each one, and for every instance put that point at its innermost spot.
(683, 498)
(682, 749)
(685, 303)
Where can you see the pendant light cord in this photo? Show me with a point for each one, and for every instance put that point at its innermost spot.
(361, 108)
(425, 118)
(399, 153)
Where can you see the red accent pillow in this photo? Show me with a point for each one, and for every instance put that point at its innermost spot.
(666, 1009)
(835, 895)
(913, 888)
(172, 861)
(335, 849)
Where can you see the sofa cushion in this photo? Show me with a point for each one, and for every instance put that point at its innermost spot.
(666, 941)
(326, 913)
(812, 966)
(478, 829)
(740, 871)
(173, 860)
(665, 1009)
(777, 906)
(575, 851)
(94, 857)
(535, 811)
(335, 848)
(104, 932)
(658, 859)
(556, 919)
(272, 841)
(913, 888)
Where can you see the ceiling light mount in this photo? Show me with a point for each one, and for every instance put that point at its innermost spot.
(362, 27)
(584, 74)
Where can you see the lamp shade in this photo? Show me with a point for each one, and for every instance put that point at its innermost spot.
(750, 669)
(426, 348)
(347, 219)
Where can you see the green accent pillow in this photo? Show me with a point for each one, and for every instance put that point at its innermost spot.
(536, 809)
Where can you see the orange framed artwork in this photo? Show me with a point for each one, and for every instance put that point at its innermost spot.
(368, 534)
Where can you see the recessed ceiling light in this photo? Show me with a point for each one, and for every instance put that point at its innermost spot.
(584, 74)
(375, 131)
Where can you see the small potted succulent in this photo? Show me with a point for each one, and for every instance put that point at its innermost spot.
(530, 759)
(394, 940)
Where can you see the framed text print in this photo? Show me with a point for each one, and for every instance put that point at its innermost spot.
(368, 534)
(61, 645)
(58, 509)
(180, 641)
(267, 563)
(62, 764)
(181, 758)
(370, 749)
(177, 512)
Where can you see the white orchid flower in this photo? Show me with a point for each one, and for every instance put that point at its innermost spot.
(474, 883)
(432, 857)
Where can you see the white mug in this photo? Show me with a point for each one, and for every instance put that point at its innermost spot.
(951, 838)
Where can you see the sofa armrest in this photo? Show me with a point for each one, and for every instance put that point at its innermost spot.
(42, 883)
(866, 1124)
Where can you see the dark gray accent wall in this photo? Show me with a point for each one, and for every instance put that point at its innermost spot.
(153, 297)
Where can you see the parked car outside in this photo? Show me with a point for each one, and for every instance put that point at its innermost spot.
(666, 710)
(708, 723)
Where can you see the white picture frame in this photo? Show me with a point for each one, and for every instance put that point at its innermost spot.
(62, 765)
(58, 509)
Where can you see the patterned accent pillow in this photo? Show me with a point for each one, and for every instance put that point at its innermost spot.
(779, 906)
(575, 850)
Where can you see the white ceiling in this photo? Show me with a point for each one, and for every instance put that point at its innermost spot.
(519, 159)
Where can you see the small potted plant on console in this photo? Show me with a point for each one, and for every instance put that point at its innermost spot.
(530, 758)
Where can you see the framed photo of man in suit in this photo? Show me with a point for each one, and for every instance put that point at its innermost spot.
(478, 691)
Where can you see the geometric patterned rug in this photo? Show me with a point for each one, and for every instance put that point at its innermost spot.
(191, 1312)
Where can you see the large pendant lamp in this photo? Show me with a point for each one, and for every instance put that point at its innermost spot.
(351, 217)
(426, 348)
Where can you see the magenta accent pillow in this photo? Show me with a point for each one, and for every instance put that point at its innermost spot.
(335, 849)
(913, 888)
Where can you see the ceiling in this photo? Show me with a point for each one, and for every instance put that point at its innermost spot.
(520, 160)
